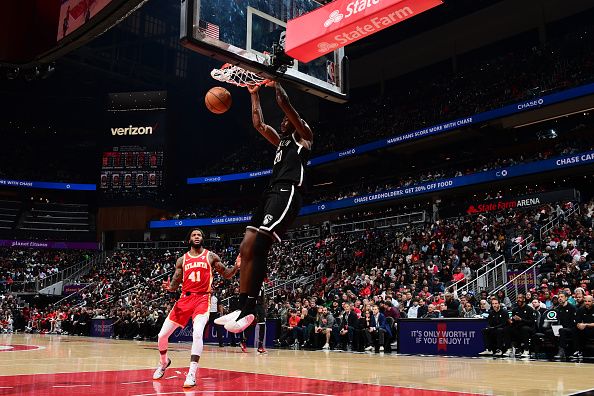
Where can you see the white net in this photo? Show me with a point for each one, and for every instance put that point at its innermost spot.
(237, 76)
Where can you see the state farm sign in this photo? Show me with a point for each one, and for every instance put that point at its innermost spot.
(345, 21)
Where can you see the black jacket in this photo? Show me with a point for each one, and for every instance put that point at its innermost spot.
(527, 314)
(499, 318)
(452, 310)
(585, 315)
(351, 320)
(566, 315)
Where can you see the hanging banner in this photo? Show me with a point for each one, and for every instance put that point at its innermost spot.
(343, 22)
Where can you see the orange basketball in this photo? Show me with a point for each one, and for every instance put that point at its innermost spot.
(218, 100)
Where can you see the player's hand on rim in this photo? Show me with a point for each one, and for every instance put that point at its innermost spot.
(253, 88)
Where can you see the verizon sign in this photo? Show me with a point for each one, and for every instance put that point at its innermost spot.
(342, 22)
(132, 131)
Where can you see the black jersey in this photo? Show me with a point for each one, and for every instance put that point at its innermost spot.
(289, 162)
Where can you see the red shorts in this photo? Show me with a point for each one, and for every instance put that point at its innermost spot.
(189, 307)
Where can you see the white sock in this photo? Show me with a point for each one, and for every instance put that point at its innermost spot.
(193, 368)
(163, 359)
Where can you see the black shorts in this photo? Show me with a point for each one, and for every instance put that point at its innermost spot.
(260, 314)
(279, 206)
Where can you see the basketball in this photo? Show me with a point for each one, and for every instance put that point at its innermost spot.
(218, 100)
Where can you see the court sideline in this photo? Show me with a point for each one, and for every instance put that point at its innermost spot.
(30, 364)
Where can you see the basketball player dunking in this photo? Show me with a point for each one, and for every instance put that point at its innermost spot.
(194, 268)
(280, 202)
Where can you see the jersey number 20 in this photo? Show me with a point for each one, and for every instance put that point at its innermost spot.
(278, 157)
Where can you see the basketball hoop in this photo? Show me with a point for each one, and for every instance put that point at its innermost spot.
(235, 75)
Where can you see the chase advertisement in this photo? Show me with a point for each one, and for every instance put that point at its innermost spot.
(418, 134)
(584, 158)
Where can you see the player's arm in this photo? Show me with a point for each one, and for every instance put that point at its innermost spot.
(226, 272)
(177, 275)
(301, 127)
(265, 130)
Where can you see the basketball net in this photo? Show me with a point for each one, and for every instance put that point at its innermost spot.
(235, 75)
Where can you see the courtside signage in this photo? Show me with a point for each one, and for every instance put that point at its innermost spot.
(342, 22)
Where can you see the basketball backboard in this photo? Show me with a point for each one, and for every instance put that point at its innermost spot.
(242, 32)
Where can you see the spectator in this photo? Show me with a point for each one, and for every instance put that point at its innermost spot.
(585, 326)
(468, 311)
(324, 325)
(567, 317)
(379, 329)
(452, 306)
(523, 326)
(431, 312)
(344, 331)
(413, 311)
(496, 334)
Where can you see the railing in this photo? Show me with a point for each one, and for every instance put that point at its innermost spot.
(305, 244)
(71, 272)
(299, 234)
(236, 241)
(490, 276)
(298, 281)
(37, 284)
(129, 290)
(294, 283)
(478, 273)
(522, 282)
(383, 222)
(556, 221)
(522, 245)
(57, 303)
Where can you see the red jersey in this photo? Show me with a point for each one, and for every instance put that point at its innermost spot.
(197, 273)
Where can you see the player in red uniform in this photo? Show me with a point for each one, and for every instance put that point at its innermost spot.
(194, 268)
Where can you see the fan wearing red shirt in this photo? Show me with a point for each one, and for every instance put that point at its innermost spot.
(458, 275)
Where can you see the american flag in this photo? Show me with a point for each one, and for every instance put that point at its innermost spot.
(209, 29)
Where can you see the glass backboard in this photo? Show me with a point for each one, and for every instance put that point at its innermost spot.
(242, 32)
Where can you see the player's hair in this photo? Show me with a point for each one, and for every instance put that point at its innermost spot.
(189, 234)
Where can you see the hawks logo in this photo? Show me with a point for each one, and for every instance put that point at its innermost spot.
(267, 219)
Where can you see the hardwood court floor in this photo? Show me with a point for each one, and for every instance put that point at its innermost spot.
(66, 365)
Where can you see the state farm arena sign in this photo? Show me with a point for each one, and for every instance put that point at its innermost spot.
(522, 202)
(500, 205)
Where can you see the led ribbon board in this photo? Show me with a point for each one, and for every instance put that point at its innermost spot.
(47, 185)
(494, 175)
(390, 141)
